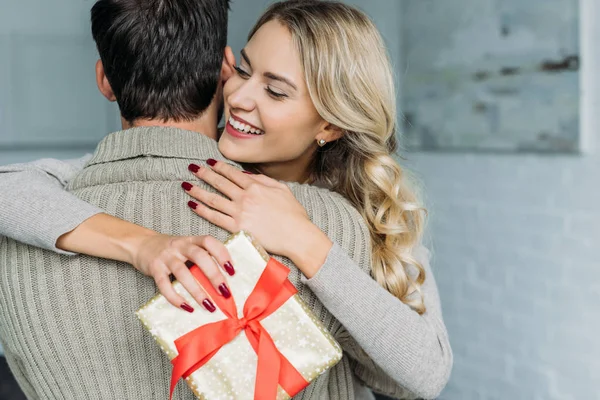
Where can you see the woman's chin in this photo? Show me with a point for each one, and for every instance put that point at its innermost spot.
(235, 153)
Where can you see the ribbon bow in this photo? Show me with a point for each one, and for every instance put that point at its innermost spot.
(197, 347)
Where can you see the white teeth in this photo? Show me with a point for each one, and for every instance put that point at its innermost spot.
(244, 128)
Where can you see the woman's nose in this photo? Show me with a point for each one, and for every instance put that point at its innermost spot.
(242, 97)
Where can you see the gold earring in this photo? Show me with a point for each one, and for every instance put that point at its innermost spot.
(321, 142)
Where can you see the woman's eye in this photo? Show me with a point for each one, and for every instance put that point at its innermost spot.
(275, 94)
(241, 72)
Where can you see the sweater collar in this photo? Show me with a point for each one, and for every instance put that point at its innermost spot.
(155, 142)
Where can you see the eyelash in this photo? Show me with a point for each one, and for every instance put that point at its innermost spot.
(241, 72)
(277, 96)
(245, 75)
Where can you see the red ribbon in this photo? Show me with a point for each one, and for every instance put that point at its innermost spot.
(197, 347)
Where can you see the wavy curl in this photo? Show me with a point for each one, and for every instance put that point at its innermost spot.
(350, 81)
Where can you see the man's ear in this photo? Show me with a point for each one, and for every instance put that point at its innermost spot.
(227, 70)
(330, 133)
(102, 82)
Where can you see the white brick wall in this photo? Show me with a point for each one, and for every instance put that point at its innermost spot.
(514, 239)
(515, 259)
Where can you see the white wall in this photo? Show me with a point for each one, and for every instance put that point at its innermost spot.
(517, 263)
(49, 104)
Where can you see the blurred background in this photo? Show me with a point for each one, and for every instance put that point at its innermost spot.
(500, 109)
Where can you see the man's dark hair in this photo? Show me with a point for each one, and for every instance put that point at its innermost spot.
(162, 58)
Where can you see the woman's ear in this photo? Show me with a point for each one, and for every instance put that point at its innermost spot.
(330, 133)
(227, 68)
(102, 82)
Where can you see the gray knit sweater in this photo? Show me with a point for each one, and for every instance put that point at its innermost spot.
(67, 323)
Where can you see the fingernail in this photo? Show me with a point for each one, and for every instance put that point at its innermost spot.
(189, 264)
(229, 268)
(187, 307)
(186, 186)
(192, 204)
(224, 291)
(209, 305)
(211, 162)
(248, 172)
(194, 168)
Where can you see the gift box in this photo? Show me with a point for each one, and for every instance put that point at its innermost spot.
(262, 343)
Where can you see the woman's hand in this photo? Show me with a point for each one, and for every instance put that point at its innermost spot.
(154, 255)
(262, 206)
(159, 256)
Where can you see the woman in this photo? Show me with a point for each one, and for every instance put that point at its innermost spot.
(313, 102)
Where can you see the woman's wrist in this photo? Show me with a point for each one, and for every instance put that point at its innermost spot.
(106, 236)
(308, 248)
(131, 243)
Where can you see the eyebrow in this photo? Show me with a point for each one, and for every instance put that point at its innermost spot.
(274, 77)
(245, 57)
(269, 75)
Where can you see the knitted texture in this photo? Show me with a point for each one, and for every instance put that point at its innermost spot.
(32, 195)
(67, 323)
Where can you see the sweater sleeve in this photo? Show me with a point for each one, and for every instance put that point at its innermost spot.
(394, 348)
(36, 209)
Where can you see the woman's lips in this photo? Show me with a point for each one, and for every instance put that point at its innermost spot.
(237, 134)
(243, 121)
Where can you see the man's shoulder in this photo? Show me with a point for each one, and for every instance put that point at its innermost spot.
(336, 217)
(323, 199)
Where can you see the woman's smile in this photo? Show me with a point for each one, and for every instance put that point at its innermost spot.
(242, 129)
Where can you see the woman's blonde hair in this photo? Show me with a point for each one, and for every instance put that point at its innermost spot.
(350, 81)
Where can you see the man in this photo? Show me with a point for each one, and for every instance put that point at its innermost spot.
(67, 323)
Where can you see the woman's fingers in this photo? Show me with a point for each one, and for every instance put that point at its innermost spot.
(213, 200)
(209, 254)
(217, 250)
(210, 269)
(230, 173)
(163, 283)
(219, 182)
(187, 280)
(215, 217)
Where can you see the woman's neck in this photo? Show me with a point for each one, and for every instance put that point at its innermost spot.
(284, 171)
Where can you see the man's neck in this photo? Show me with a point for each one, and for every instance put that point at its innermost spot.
(205, 125)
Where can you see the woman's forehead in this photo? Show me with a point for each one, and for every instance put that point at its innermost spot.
(271, 48)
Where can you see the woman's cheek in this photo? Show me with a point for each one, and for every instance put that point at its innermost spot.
(277, 120)
(230, 86)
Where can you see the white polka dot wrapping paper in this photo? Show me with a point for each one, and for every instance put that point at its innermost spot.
(231, 373)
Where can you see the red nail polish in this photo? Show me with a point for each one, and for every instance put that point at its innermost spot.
(209, 305)
(224, 291)
(186, 186)
(211, 162)
(187, 307)
(192, 204)
(229, 268)
(248, 172)
(194, 168)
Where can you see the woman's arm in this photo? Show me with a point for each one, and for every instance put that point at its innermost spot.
(37, 210)
(33, 195)
(398, 349)
(394, 348)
